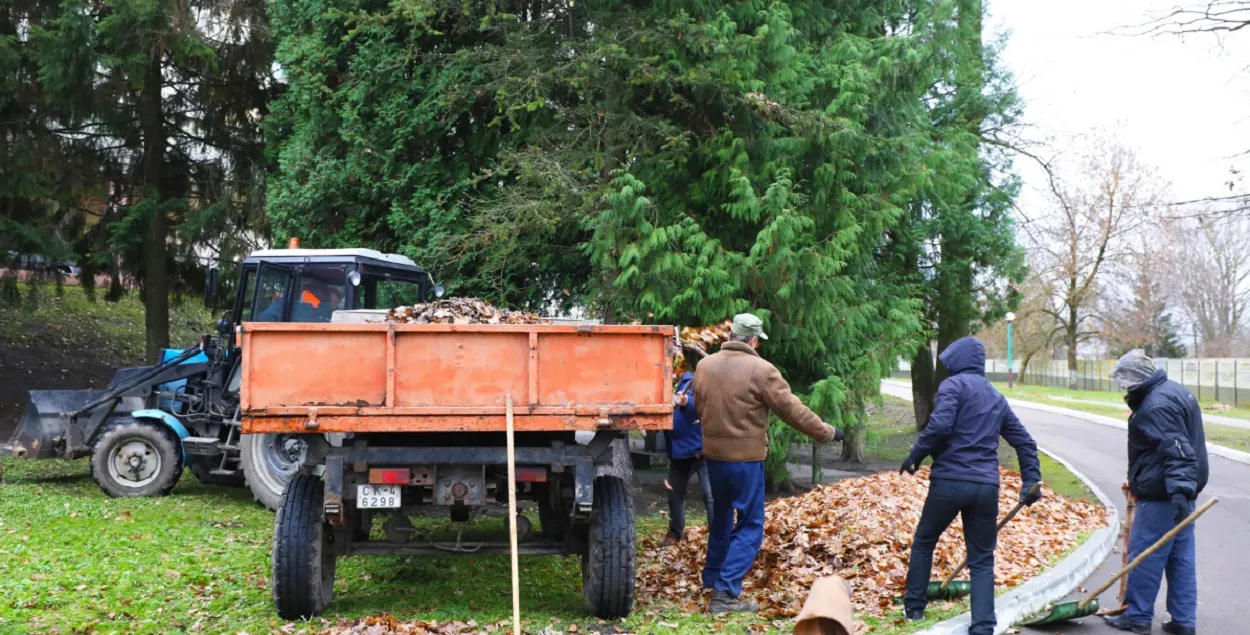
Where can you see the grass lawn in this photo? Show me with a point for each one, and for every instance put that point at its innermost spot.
(113, 330)
(75, 561)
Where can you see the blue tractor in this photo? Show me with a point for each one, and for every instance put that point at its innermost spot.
(152, 421)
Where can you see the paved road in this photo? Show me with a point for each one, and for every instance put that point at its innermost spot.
(1223, 532)
(1098, 451)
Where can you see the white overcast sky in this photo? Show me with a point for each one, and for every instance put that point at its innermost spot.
(1183, 104)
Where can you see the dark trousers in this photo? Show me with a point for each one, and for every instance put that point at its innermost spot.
(1175, 560)
(679, 473)
(978, 504)
(737, 487)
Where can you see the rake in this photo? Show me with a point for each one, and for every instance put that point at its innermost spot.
(1089, 605)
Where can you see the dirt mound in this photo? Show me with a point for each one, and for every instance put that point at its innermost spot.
(861, 529)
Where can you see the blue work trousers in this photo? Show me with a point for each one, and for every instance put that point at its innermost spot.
(737, 487)
(977, 503)
(1175, 559)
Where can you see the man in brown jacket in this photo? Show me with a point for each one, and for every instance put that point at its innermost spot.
(734, 390)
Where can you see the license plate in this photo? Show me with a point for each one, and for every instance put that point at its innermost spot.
(377, 496)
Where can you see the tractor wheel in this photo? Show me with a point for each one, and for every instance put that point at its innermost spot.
(134, 458)
(269, 462)
(608, 564)
(303, 552)
(201, 468)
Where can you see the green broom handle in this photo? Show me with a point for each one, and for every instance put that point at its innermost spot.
(1011, 514)
(1146, 554)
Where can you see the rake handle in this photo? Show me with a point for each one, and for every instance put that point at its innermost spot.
(1006, 519)
(1148, 552)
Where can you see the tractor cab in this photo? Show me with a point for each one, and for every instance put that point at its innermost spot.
(309, 285)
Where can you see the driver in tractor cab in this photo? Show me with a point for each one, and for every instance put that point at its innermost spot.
(317, 302)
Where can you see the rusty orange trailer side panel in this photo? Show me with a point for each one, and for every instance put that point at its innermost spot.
(454, 377)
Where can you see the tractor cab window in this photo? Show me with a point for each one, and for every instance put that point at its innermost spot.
(245, 292)
(271, 288)
(320, 293)
(383, 291)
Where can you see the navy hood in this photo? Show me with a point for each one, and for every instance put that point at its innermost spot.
(964, 355)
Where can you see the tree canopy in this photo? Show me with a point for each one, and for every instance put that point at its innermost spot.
(671, 162)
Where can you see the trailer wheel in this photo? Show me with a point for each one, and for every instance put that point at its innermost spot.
(304, 553)
(269, 462)
(133, 458)
(609, 561)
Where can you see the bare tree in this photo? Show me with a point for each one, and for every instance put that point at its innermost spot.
(1086, 234)
(1035, 329)
(1211, 276)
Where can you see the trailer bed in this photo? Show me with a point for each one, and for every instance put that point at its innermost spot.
(302, 378)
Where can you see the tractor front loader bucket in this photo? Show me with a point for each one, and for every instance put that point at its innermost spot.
(41, 433)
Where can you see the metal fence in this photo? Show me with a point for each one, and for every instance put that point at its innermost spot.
(1225, 380)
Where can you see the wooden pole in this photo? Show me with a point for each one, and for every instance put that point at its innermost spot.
(512, 538)
(1147, 553)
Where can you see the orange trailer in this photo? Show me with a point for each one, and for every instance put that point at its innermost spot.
(398, 416)
(301, 378)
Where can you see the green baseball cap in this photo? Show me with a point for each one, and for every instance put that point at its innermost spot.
(748, 325)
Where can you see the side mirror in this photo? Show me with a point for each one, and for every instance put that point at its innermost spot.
(354, 278)
(225, 324)
(439, 290)
(210, 287)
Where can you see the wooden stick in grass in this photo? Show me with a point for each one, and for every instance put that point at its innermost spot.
(512, 538)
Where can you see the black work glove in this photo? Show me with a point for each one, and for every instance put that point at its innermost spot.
(1180, 507)
(911, 463)
(1028, 496)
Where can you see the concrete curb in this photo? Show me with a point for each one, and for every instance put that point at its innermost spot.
(1056, 582)
(1217, 450)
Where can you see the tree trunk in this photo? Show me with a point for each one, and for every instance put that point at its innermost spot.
(853, 440)
(923, 386)
(155, 249)
(1069, 339)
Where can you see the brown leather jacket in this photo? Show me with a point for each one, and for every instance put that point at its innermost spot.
(734, 390)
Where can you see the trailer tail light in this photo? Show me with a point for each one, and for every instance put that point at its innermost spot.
(389, 476)
(531, 474)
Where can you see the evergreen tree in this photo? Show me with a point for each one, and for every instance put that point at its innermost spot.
(666, 162)
(162, 100)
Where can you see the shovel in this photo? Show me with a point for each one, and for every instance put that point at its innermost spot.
(952, 589)
(1089, 605)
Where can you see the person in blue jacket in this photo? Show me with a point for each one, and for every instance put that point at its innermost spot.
(962, 437)
(685, 458)
(1167, 469)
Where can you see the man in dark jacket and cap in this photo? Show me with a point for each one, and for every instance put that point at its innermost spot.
(962, 437)
(1167, 469)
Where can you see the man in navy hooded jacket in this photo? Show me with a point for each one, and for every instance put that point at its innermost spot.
(1167, 469)
(962, 437)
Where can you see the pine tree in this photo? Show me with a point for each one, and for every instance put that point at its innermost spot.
(163, 99)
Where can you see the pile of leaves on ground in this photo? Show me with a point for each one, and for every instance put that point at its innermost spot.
(460, 311)
(861, 529)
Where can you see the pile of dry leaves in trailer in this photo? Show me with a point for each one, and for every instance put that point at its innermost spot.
(861, 529)
(460, 311)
